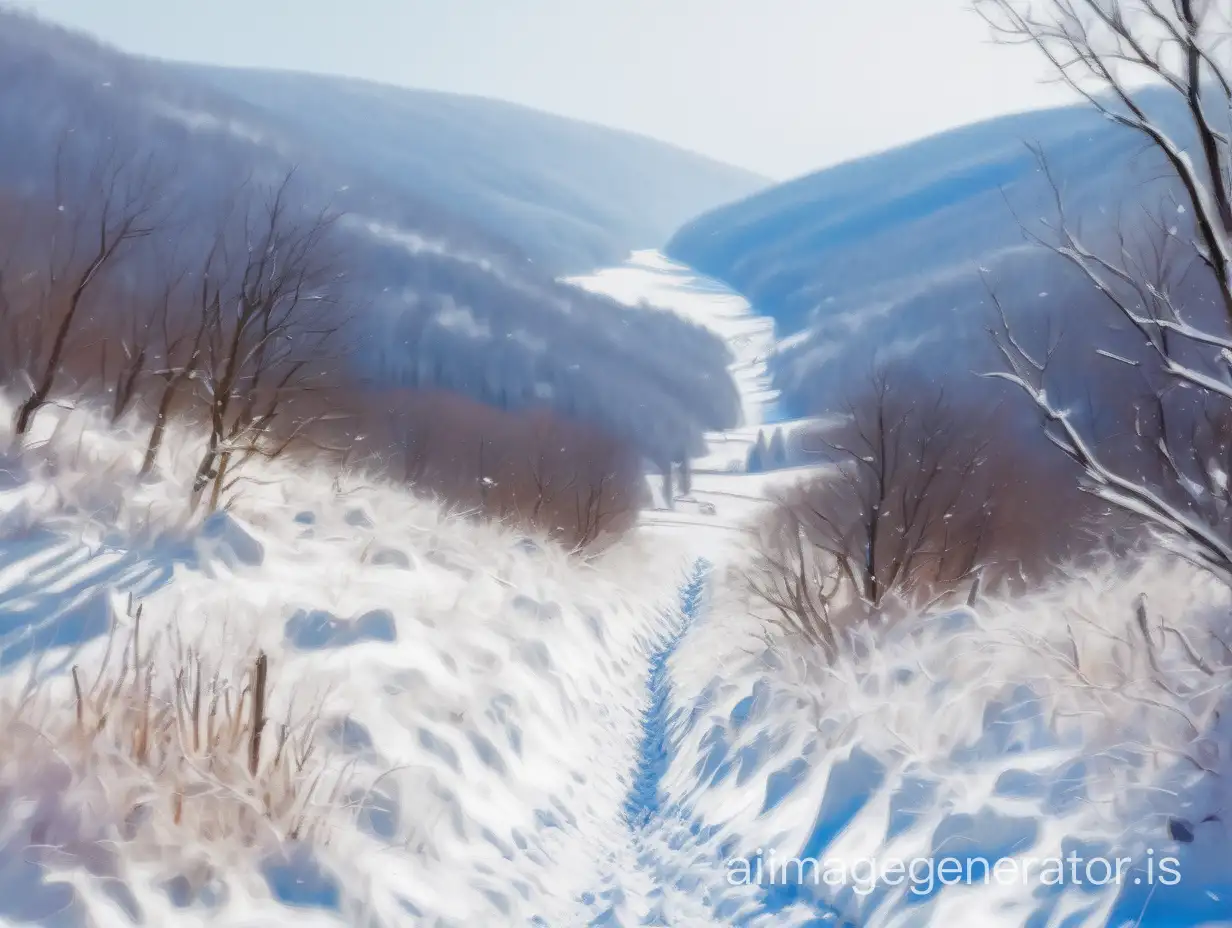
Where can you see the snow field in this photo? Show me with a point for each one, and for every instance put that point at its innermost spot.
(1038, 727)
(505, 735)
(475, 694)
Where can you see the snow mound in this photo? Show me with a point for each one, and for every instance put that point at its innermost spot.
(503, 734)
(1033, 730)
(474, 696)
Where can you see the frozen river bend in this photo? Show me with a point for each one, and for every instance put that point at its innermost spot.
(465, 727)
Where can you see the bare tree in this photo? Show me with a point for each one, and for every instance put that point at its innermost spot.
(549, 480)
(181, 347)
(19, 288)
(270, 328)
(905, 506)
(96, 218)
(578, 485)
(922, 498)
(127, 344)
(1102, 49)
(564, 479)
(594, 509)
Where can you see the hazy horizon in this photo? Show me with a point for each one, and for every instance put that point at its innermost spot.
(766, 89)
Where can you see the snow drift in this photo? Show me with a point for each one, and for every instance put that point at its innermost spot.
(1085, 722)
(466, 726)
(471, 697)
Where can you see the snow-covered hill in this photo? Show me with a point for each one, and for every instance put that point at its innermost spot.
(472, 696)
(1027, 731)
(435, 297)
(503, 734)
(1067, 751)
(571, 195)
(890, 256)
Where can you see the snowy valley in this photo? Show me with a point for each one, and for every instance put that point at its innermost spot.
(486, 730)
(377, 553)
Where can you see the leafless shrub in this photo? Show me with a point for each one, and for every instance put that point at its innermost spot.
(921, 498)
(180, 346)
(907, 504)
(127, 337)
(1170, 667)
(184, 747)
(562, 478)
(902, 510)
(239, 326)
(808, 589)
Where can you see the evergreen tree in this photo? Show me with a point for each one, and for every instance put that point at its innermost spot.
(777, 455)
(757, 455)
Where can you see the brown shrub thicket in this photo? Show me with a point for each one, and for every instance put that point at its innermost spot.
(922, 496)
(238, 322)
(561, 478)
(564, 478)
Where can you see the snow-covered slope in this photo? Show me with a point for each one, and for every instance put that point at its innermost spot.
(1068, 751)
(573, 196)
(882, 256)
(507, 735)
(436, 298)
(475, 696)
(1033, 731)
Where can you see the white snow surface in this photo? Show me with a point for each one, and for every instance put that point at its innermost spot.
(1027, 728)
(713, 516)
(491, 697)
(652, 279)
(485, 686)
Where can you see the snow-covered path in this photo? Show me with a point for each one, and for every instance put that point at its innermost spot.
(634, 888)
(669, 874)
(1005, 740)
(723, 497)
(637, 887)
(643, 803)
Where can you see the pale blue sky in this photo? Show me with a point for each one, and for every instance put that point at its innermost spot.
(778, 86)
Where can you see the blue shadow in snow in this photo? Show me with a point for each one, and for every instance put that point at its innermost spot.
(62, 600)
(644, 802)
(851, 783)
